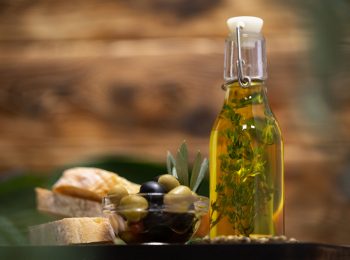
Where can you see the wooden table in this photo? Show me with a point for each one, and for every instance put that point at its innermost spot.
(167, 252)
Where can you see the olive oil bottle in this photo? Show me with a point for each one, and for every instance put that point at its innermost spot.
(246, 149)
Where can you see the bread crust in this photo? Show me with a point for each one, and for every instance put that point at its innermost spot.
(61, 205)
(69, 231)
(91, 183)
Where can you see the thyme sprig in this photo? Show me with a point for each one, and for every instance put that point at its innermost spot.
(243, 189)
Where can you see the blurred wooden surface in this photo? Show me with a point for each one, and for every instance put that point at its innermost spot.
(110, 19)
(116, 101)
(87, 78)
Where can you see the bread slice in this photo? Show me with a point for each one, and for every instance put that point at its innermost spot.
(69, 231)
(66, 206)
(91, 183)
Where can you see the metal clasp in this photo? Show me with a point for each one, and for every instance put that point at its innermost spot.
(244, 81)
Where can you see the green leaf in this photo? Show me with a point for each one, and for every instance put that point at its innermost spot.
(195, 169)
(174, 173)
(170, 162)
(184, 151)
(202, 173)
(181, 168)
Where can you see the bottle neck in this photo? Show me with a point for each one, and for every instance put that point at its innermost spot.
(256, 93)
(251, 101)
(252, 53)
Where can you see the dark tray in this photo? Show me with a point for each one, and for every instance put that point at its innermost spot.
(179, 252)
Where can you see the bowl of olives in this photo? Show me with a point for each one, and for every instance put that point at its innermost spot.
(162, 212)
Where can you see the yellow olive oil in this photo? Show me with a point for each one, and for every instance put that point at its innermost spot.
(246, 166)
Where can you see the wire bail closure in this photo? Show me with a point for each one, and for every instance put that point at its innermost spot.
(244, 81)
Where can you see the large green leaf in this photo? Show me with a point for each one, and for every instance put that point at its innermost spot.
(170, 164)
(195, 169)
(181, 168)
(202, 173)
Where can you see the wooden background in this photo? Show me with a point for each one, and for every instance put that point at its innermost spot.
(81, 79)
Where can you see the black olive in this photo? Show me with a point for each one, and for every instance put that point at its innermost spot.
(152, 187)
(154, 193)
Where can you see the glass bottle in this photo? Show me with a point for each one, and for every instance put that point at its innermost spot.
(246, 148)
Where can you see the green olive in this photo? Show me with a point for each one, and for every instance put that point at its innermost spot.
(168, 181)
(117, 193)
(133, 207)
(179, 199)
(181, 190)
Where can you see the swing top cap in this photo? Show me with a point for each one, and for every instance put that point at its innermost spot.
(247, 23)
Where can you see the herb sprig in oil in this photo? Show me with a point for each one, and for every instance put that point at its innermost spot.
(243, 189)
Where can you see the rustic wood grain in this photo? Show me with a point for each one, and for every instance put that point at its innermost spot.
(148, 88)
(92, 19)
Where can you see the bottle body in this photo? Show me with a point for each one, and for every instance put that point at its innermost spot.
(246, 166)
